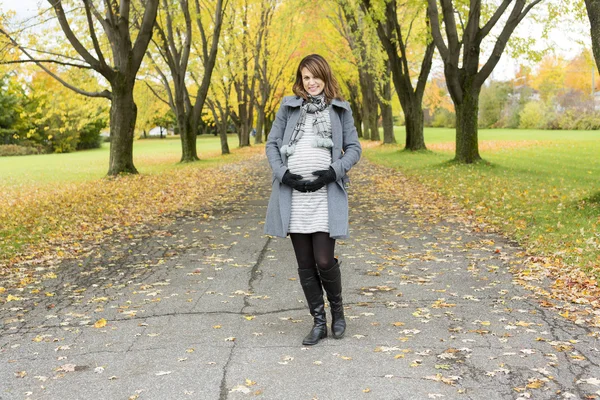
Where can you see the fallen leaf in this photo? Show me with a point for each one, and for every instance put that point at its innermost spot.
(101, 323)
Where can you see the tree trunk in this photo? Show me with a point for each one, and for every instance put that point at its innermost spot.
(388, 124)
(467, 149)
(268, 125)
(357, 114)
(123, 113)
(413, 111)
(374, 115)
(260, 125)
(593, 11)
(386, 109)
(365, 109)
(244, 132)
(223, 136)
(355, 106)
(188, 139)
(387, 117)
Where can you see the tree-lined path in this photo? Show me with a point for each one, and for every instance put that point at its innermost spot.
(208, 307)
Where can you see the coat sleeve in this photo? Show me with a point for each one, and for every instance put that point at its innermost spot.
(274, 143)
(350, 145)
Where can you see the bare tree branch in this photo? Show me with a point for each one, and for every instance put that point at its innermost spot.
(145, 33)
(483, 32)
(51, 53)
(156, 94)
(77, 45)
(436, 33)
(45, 61)
(104, 93)
(515, 17)
(88, 14)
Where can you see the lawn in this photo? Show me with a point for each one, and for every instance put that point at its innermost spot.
(149, 156)
(539, 187)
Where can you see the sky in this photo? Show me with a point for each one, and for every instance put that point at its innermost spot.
(565, 38)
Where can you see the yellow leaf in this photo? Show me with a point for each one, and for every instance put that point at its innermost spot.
(367, 390)
(535, 384)
(398, 324)
(2, 290)
(101, 323)
(216, 326)
(249, 317)
(10, 297)
(523, 323)
(250, 382)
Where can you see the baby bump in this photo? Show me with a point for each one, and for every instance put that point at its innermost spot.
(306, 160)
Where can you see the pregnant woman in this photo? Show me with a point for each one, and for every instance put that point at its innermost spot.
(312, 145)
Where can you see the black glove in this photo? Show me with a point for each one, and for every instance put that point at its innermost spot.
(294, 181)
(325, 176)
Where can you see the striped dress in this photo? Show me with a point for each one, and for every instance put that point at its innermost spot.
(309, 210)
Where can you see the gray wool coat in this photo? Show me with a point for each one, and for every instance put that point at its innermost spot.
(345, 153)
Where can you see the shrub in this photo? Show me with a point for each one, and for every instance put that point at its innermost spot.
(16, 150)
(443, 118)
(492, 101)
(63, 140)
(533, 116)
(89, 135)
(589, 121)
(567, 120)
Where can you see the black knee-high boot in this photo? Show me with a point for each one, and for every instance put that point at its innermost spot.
(332, 283)
(311, 285)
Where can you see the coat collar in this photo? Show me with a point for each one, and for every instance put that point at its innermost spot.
(296, 101)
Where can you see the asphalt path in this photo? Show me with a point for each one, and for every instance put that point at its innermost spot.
(207, 307)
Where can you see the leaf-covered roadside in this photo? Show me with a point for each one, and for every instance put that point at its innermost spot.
(39, 226)
(549, 276)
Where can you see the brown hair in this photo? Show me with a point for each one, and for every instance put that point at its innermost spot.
(320, 69)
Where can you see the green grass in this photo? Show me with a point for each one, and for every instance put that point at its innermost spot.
(545, 194)
(149, 156)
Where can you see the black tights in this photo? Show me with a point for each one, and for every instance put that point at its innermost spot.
(313, 249)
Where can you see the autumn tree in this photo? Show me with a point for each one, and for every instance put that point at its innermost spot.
(461, 52)
(247, 32)
(149, 106)
(119, 68)
(262, 61)
(52, 117)
(395, 35)
(220, 95)
(355, 28)
(175, 40)
(581, 73)
(549, 79)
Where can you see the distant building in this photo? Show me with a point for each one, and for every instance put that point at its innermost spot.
(159, 131)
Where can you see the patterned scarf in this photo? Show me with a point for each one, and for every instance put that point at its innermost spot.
(322, 124)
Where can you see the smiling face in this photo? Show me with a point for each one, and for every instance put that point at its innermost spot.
(311, 84)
